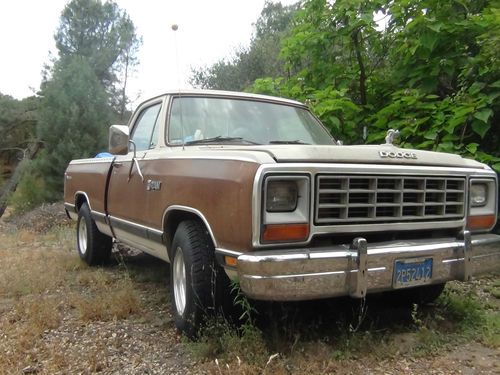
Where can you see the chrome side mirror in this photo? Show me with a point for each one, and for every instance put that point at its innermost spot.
(118, 139)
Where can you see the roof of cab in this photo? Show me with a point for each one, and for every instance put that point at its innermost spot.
(230, 94)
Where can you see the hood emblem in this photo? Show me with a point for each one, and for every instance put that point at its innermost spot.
(391, 136)
(397, 155)
(389, 139)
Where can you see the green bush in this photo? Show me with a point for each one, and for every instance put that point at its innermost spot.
(30, 191)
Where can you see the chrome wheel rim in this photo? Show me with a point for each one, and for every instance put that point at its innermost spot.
(82, 236)
(179, 278)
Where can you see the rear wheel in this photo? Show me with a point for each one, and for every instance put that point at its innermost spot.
(93, 247)
(197, 282)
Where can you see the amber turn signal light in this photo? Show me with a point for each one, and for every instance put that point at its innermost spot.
(480, 222)
(285, 232)
(230, 261)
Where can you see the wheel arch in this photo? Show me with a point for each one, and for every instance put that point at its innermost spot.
(81, 198)
(175, 214)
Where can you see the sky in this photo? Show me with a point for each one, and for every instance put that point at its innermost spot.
(208, 30)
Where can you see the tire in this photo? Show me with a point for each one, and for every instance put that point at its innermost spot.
(93, 247)
(197, 283)
(421, 295)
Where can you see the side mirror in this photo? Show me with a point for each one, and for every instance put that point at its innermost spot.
(118, 139)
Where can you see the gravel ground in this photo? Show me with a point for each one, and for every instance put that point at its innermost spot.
(39, 220)
(120, 347)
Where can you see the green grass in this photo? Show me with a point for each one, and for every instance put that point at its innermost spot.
(219, 339)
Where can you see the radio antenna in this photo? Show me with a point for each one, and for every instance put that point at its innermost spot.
(175, 27)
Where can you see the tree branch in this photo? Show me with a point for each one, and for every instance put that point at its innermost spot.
(362, 73)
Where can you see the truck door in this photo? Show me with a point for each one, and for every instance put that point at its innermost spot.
(127, 205)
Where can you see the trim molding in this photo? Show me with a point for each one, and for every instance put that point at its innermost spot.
(193, 211)
(99, 217)
(139, 230)
(86, 198)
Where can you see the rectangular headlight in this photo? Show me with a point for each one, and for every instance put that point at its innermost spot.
(478, 194)
(285, 208)
(482, 204)
(281, 196)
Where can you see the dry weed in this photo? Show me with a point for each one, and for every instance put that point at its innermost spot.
(27, 271)
(23, 327)
(93, 278)
(107, 302)
(41, 277)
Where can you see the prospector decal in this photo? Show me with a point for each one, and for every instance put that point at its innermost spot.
(152, 185)
(397, 155)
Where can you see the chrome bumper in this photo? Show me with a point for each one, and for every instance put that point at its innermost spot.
(360, 268)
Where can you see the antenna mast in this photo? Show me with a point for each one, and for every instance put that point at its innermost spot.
(175, 27)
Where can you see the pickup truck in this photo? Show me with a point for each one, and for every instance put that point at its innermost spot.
(250, 188)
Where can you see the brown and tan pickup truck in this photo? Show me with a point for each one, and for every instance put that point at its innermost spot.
(230, 186)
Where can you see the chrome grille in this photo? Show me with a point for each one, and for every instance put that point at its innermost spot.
(367, 199)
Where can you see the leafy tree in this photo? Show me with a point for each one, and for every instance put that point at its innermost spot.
(224, 75)
(83, 93)
(446, 78)
(334, 54)
(74, 117)
(18, 128)
(105, 35)
(17, 121)
(17, 125)
(260, 59)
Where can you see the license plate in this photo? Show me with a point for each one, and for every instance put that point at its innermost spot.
(412, 272)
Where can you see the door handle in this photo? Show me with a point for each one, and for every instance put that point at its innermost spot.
(117, 164)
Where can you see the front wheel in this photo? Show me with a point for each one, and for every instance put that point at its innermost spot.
(197, 282)
(93, 247)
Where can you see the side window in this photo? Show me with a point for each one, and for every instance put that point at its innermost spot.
(145, 132)
(185, 124)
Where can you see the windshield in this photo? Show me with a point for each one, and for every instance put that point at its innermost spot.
(242, 121)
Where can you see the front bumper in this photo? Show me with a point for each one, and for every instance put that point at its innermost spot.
(360, 268)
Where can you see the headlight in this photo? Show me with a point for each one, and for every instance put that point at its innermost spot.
(285, 208)
(482, 204)
(281, 196)
(478, 194)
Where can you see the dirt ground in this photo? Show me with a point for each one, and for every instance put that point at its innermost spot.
(58, 316)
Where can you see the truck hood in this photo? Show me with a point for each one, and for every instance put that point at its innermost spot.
(374, 154)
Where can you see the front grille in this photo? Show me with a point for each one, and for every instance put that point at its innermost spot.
(379, 199)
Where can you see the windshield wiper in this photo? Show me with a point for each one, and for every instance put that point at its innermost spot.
(221, 139)
(297, 142)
